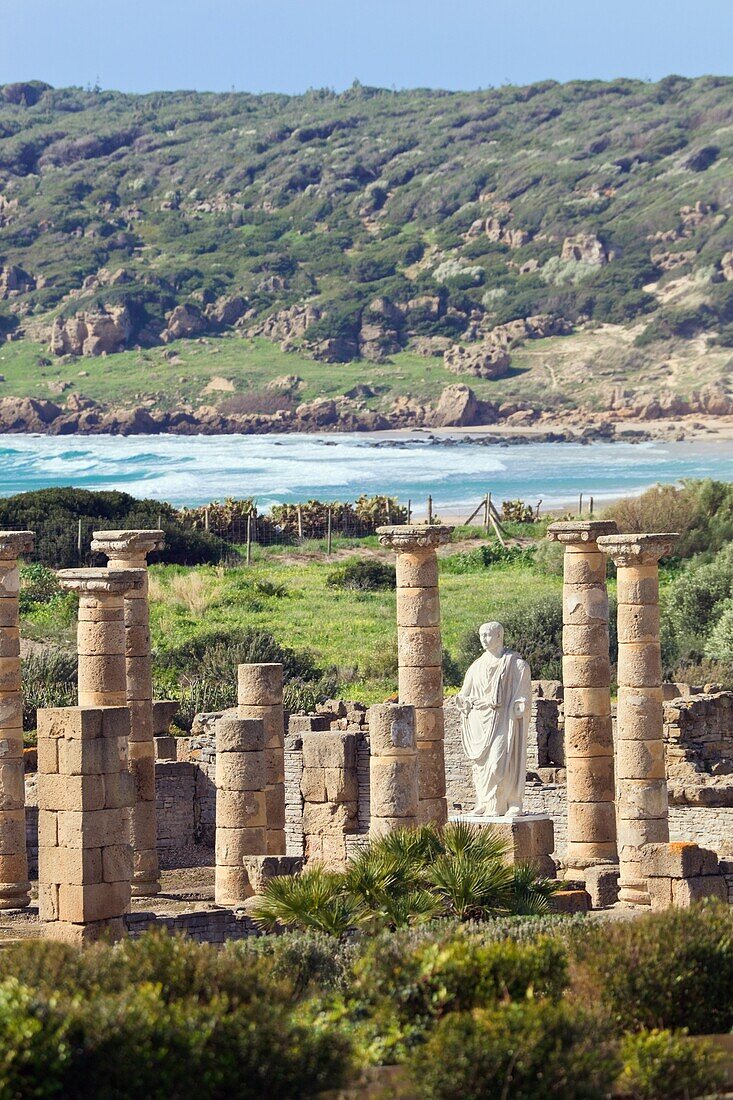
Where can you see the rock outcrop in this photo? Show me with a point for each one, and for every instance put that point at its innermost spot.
(481, 360)
(585, 248)
(183, 322)
(92, 333)
(14, 281)
(457, 407)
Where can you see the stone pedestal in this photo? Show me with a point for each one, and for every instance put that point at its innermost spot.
(587, 696)
(420, 653)
(128, 550)
(14, 884)
(529, 838)
(640, 772)
(393, 769)
(84, 797)
(241, 783)
(260, 696)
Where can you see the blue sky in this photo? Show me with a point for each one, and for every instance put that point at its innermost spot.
(290, 45)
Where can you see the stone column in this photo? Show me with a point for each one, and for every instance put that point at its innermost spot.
(640, 772)
(14, 884)
(420, 653)
(101, 632)
(241, 782)
(587, 694)
(128, 550)
(393, 769)
(84, 795)
(330, 790)
(260, 696)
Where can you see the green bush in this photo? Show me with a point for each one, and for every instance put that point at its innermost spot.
(669, 970)
(363, 575)
(520, 1050)
(534, 630)
(664, 1064)
(694, 603)
(38, 585)
(49, 680)
(486, 555)
(150, 1017)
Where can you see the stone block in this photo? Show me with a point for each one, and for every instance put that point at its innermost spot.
(687, 891)
(380, 826)
(591, 780)
(429, 723)
(117, 863)
(12, 785)
(273, 720)
(126, 789)
(74, 866)
(94, 902)
(70, 792)
(107, 930)
(137, 640)
(601, 883)
(638, 585)
(419, 570)
(96, 757)
(589, 737)
(418, 607)
(102, 674)
(241, 771)
(313, 784)
(639, 665)
(431, 769)
(11, 711)
(642, 799)
(637, 832)
(419, 646)
(164, 711)
(232, 845)
(433, 810)
(260, 684)
(640, 715)
(276, 842)
(393, 787)
(240, 809)
(659, 891)
(48, 833)
(585, 671)
(138, 675)
(231, 885)
(585, 606)
(309, 723)
(93, 828)
(165, 747)
(586, 639)
(332, 749)
(80, 723)
(638, 623)
(640, 759)
(583, 702)
(392, 730)
(9, 674)
(585, 568)
(262, 869)
(421, 687)
(239, 735)
(678, 860)
(275, 807)
(570, 901)
(330, 818)
(341, 785)
(591, 821)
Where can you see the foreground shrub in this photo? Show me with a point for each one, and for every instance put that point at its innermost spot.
(668, 970)
(520, 1050)
(364, 575)
(663, 1064)
(158, 1017)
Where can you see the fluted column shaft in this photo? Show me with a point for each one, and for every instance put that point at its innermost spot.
(643, 815)
(420, 653)
(14, 884)
(587, 697)
(128, 550)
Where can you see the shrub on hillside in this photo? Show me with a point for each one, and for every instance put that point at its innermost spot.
(518, 1050)
(694, 603)
(486, 555)
(669, 970)
(534, 630)
(661, 508)
(662, 1063)
(54, 515)
(49, 680)
(363, 575)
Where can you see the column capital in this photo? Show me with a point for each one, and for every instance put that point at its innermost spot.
(410, 538)
(100, 582)
(577, 531)
(127, 544)
(638, 549)
(15, 543)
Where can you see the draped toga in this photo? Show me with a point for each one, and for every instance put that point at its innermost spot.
(494, 739)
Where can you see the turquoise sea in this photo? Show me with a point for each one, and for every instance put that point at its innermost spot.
(272, 468)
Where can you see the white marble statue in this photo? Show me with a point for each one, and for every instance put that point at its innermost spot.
(495, 704)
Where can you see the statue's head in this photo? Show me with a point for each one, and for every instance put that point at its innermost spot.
(492, 637)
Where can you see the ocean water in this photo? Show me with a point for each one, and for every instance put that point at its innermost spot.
(198, 469)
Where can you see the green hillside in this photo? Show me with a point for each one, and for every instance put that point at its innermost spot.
(373, 228)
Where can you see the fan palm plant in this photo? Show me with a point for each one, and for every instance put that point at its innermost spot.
(406, 877)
